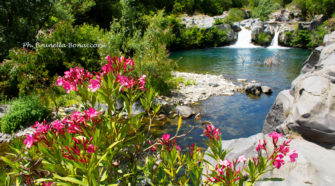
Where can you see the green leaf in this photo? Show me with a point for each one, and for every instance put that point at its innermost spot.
(69, 179)
(107, 151)
(9, 162)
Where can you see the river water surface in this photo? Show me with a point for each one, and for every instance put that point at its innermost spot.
(239, 115)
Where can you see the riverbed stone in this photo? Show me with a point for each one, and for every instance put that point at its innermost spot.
(266, 90)
(254, 89)
(184, 111)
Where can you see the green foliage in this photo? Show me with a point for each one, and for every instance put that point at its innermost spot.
(264, 39)
(21, 20)
(235, 15)
(219, 21)
(193, 37)
(23, 112)
(31, 69)
(310, 8)
(307, 38)
(262, 8)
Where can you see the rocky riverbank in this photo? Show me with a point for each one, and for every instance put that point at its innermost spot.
(197, 87)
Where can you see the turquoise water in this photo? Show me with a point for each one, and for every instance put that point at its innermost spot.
(239, 115)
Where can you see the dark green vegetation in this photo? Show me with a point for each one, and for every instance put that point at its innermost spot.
(309, 38)
(264, 39)
(23, 112)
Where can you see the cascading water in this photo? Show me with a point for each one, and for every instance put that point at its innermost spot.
(275, 43)
(244, 39)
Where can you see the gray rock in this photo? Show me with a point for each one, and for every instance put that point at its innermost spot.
(266, 90)
(184, 111)
(253, 88)
(101, 107)
(137, 108)
(213, 84)
(3, 110)
(329, 39)
(312, 60)
(69, 110)
(278, 112)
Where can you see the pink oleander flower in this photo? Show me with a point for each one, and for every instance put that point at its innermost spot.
(284, 149)
(166, 137)
(91, 148)
(141, 82)
(211, 132)
(178, 148)
(241, 159)
(57, 125)
(225, 163)
(91, 113)
(47, 183)
(279, 161)
(261, 146)
(29, 141)
(94, 86)
(73, 78)
(153, 148)
(275, 136)
(293, 156)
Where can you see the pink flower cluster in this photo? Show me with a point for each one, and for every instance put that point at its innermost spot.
(227, 169)
(80, 151)
(73, 78)
(167, 143)
(129, 82)
(76, 77)
(211, 132)
(279, 151)
(77, 121)
(74, 124)
(115, 65)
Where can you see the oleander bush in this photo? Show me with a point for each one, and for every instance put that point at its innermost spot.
(23, 112)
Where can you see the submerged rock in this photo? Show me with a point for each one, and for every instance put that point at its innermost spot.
(254, 89)
(266, 90)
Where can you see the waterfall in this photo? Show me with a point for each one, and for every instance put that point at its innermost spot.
(274, 42)
(244, 39)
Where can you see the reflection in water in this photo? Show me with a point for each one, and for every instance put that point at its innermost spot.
(239, 115)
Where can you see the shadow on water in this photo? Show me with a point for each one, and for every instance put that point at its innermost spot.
(239, 115)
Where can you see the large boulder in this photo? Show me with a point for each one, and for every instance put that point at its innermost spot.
(314, 165)
(310, 103)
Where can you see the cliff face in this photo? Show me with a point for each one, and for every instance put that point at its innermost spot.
(309, 106)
